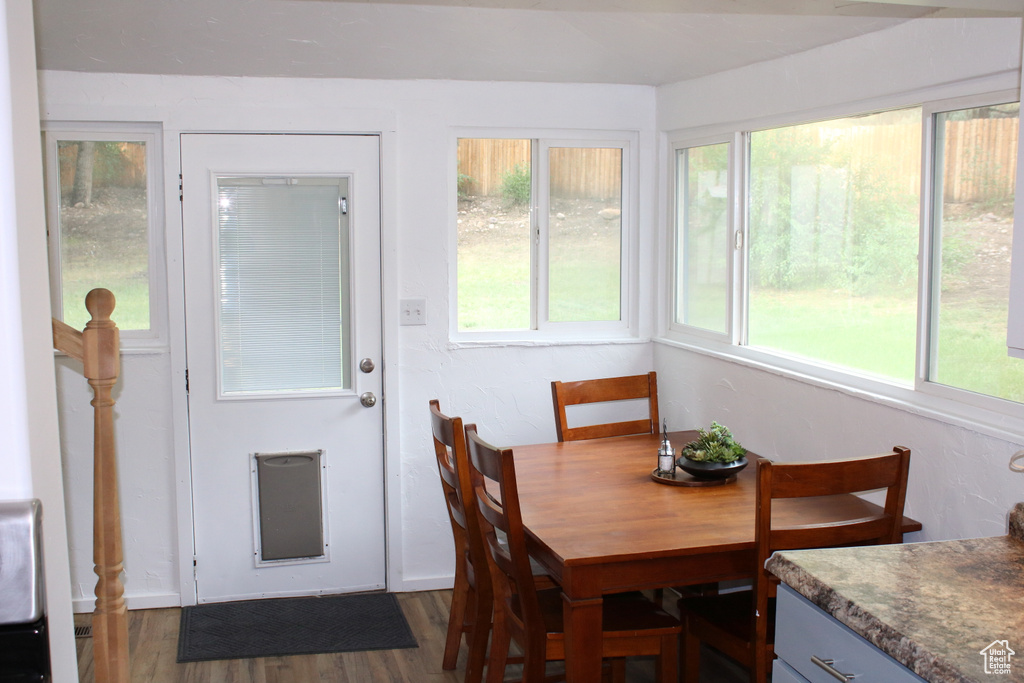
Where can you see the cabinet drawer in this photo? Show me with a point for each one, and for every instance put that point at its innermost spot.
(783, 673)
(803, 631)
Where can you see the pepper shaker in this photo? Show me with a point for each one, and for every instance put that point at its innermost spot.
(666, 456)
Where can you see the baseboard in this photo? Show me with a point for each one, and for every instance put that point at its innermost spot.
(146, 601)
(161, 600)
(434, 583)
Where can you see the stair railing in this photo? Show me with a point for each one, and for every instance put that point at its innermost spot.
(98, 348)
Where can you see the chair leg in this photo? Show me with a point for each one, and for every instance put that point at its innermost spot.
(690, 664)
(456, 618)
(477, 638)
(666, 666)
(500, 641)
(617, 667)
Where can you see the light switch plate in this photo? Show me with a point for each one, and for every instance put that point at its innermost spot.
(414, 312)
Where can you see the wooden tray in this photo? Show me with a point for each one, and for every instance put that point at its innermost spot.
(681, 478)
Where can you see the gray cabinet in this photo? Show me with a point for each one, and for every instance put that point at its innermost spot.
(813, 647)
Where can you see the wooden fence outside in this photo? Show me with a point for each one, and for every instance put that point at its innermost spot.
(575, 172)
(983, 154)
(985, 151)
(980, 156)
(981, 163)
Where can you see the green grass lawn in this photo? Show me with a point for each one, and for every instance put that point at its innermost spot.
(127, 279)
(878, 335)
(871, 334)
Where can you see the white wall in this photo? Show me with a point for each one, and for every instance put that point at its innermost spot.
(960, 484)
(30, 458)
(505, 389)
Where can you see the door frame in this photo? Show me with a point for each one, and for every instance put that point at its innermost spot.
(382, 124)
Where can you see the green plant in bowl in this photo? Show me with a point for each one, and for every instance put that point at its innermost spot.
(713, 445)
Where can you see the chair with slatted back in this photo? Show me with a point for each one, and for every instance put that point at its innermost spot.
(600, 391)
(633, 626)
(741, 625)
(472, 597)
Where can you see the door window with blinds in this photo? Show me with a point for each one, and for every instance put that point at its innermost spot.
(282, 286)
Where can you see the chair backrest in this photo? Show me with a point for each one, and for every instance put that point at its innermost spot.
(599, 391)
(492, 470)
(453, 466)
(824, 478)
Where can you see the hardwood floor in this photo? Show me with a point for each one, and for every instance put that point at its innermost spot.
(154, 648)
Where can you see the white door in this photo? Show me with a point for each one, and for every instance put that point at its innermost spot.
(283, 342)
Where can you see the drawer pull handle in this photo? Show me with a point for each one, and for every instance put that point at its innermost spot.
(826, 664)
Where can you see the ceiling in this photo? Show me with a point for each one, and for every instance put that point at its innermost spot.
(646, 42)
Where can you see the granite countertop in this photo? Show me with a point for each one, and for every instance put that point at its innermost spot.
(931, 606)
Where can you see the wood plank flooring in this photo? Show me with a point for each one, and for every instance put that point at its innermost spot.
(154, 648)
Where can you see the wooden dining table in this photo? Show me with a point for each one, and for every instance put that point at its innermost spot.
(599, 524)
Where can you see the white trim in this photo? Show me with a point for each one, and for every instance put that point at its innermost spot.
(435, 583)
(483, 343)
(183, 504)
(132, 602)
(391, 349)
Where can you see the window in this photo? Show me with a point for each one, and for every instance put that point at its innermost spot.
(820, 269)
(541, 236)
(833, 232)
(704, 250)
(282, 285)
(974, 180)
(103, 223)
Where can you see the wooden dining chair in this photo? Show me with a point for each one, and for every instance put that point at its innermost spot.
(472, 597)
(600, 391)
(741, 625)
(633, 625)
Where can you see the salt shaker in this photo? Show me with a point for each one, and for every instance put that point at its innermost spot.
(666, 456)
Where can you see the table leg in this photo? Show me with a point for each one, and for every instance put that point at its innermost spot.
(583, 639)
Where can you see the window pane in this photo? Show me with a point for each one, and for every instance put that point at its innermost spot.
(702, 229)
(283, 271)
(974, 192)
(103, 223)
(584, 234)
(834, 212)
(494, 234)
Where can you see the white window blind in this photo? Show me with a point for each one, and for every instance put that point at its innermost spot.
(282, 280)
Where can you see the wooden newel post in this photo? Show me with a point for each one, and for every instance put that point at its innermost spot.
(101, 361)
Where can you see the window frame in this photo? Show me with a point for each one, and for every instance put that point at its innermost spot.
(155, 337)
(991, 415)
(734, 243)
(542, 329)
(930, 270)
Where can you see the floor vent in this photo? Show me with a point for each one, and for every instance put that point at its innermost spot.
(83, 632)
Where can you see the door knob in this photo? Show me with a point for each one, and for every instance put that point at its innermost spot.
(368, 399)
(366, 365)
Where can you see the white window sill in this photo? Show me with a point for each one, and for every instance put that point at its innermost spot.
(456, 343)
